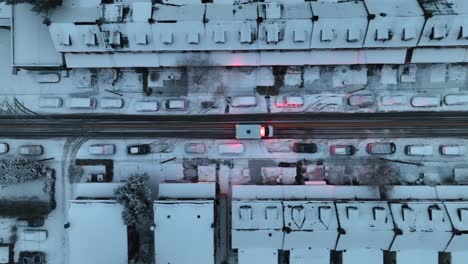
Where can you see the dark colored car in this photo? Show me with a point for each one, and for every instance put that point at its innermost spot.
(305, 147)
(381, 148)
(32, 257)
(139, 149)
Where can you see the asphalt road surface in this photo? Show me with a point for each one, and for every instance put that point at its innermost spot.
(329, 125)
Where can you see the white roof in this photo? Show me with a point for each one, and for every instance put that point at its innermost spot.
(458, 212)
(406, 192)
(257, 255)
(95, 189)
(423, 225)
(298, 192)
(178, 13)
(339, 10)
(359, 255)
(5, 15)
(444, 7)
(142, 11)
(366, 225)
(187, 190)
(312, 224)
(184, 231)
(394, 8)
(227, 12)
(97, 233)
(4, 254)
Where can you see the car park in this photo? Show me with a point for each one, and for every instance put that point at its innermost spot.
(101, 149)
(146, 106)
(140, 149)
(195, 148)
(82, 103)
(381, 148)
(231, 148)
(425, 101)
(304, 148)
(243, 101)
(361, 100)
(4, 148)
(31, 150)
(176, 104)
(111, 103)
(419, 150)
(456, 99)
(32, 257)
(50, 102)
(289, 101)
(342, 150)
(452, 150)
(389, 100)
(253, 131)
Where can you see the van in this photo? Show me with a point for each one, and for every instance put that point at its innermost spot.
(82, 103)
(289, 101)
(456, 99)
(34, 235)
(231, 148)
(111, 103)
(253, 131)
(243, 101)
(50, 102)
(425, 101)
(419, 150)
(146, 106)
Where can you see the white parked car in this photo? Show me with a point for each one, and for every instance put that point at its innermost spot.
(456, 99)
(231, 148)
(388, 100)
(419, 150)
(82, 103)
(361, 100)
(102, 149)
(146, 106)
(243, 101)
(4, 148)
(452, 150)
(50, 102)
(425, 101)
(289, 101)
(195, 148)
(111, 103)
(176, 104)
(31, 150)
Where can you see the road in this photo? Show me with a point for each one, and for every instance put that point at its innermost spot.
(332, 125)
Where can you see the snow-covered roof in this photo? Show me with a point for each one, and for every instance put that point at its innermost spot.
(310, 224)
(184, 231)
(257, 255)
(289, 10)
(421, 225)
(97, 233)
(95, 189)
(66, 14)
(187, 190)
(458, 212)
(257, 224)
(4, 254)
(339, 10)
(172, 13)
(5, 15)
(301, 192)
(444, 7)
(394, 23)
(226, 12)
(142, 11)
(365, 225)
(407, 192)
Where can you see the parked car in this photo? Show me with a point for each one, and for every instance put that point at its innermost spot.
(243, 101)
(140, 149)
(389, 100)
(304, 147)
(231, 148)
(253, 131)
(195, 148)
(82, 103)
(456, 99)
(176, 104)
(419, 150)
(4, 148)
(102, 149)
(111, 103)
(34, 235)
(361, 100)
(31, 150)
(452, 150)
(381, 148)
(32, 257)
(425, 101)
(50, 102)
(97, 177)
(289, 101)
(342, 150)
(147, 106)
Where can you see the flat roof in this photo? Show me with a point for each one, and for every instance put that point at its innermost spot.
(444, 7)
(184, 231)
(339, 10)
(187, 191)
(97, 233)
(398, 8)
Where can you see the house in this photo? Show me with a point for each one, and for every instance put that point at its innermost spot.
(5, 15)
